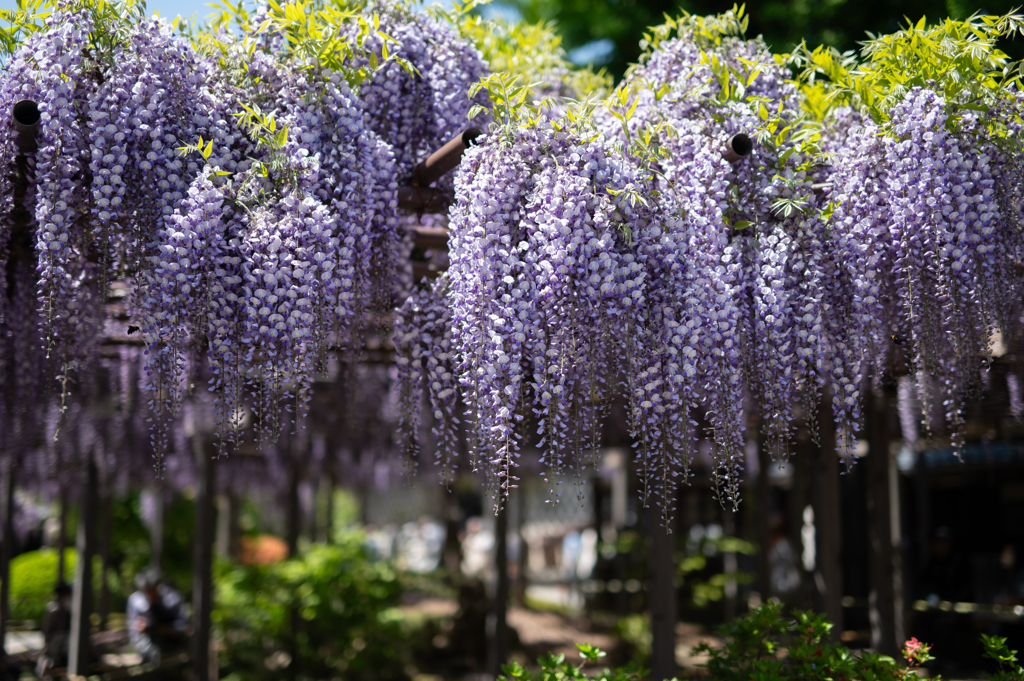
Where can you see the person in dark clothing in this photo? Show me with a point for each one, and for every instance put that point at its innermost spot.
(56, 631)
(156, 618)
(947, 576)
(1010, 589)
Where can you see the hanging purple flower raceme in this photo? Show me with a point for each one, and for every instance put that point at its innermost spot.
(563, 292)
(49, 69)
(146, 107)
(426, 360)
(918, 225)
(417, 113)
(762, 270)
(277, 261)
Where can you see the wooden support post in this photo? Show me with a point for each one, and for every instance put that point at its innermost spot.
(312, 487)
(663, 599)
(825, 498)
(202, 584)
(451, 551)
(292, 513)
(799, 464)
(62, 536)
(7, 547)
(329, 506)
(764, 516)
(499, 610)
(228, 534)
(522, 556)
(79, 652)
(106, 529)
(730, 565)
(156, 525)
(885, 598)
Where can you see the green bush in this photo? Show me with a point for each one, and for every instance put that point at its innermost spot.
(325, 614)
(555, 668)
(1006, 659)
(766, 646)
(33, 576)
(754, 644)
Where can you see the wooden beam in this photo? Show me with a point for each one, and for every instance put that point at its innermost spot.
(445, 159)
(430, 237)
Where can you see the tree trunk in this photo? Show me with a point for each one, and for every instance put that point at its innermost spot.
(885, 598)
(202, 584)
(79, 653)
(825, 497)
(663, 600)
(499, 612)
(106, 529)
(7, 547)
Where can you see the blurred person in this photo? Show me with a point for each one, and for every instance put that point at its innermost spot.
(784, 574)
(156, 617)
(477, 549)
(56, 631)
(947, 575)
(1010, 589)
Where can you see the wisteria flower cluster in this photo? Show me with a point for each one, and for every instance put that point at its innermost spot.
(923, 240)
(555, 283)
(269, 248)
(416, 113)
(817, 267)
(271, 270)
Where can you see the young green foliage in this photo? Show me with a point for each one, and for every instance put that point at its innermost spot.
(959, 60)
(1009, 668)
(26, 19)
(555, 668)
(531, 50)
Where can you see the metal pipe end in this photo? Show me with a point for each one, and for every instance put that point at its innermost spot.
(26, 115)
(26, 121)
(739, 147)
(470, 135)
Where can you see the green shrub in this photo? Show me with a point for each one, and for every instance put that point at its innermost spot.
(33, 576)
(766, 646)
(754, 644)
(340, 602)
(1006, 659)
(555, 668)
